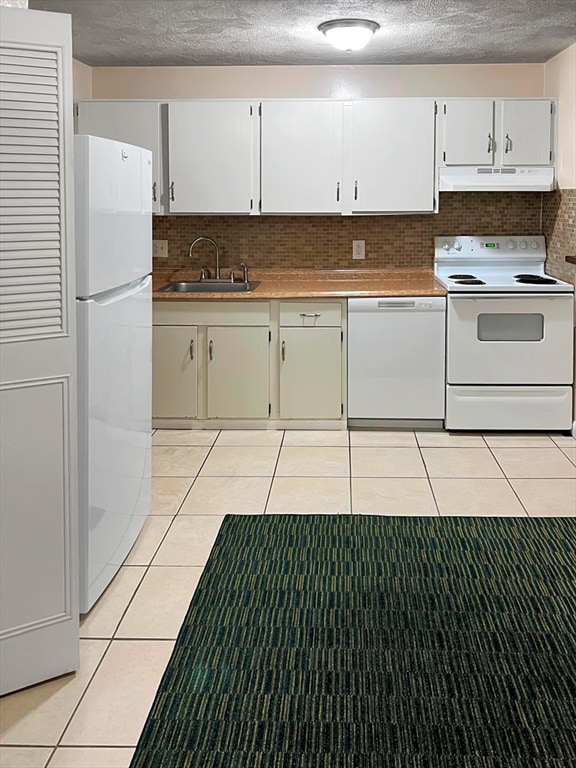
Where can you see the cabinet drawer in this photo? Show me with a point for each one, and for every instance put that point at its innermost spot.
(211, 313)
(311, 314)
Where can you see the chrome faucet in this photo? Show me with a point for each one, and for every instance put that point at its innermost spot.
(215, 244)
(244, 269)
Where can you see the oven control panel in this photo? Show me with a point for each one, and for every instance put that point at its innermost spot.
(465, 245)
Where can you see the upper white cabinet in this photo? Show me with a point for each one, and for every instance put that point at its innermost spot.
(213, 156)
(497, 132)
(526, 134)
(135, 122)
(468, 136)
(393, 155)
(301, 156)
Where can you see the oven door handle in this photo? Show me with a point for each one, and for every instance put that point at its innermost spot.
(492, 296)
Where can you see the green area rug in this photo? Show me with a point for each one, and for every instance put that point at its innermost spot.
(375, 642)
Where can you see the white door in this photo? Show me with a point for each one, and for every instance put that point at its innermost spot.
(393, 155)
(238, 372)
(38, 451)
(310, 373)
(510, 339)
(114, 416)
(301, 156)
(526, 132)
(135, 122)
(213, 156)
(468, 132)
(112, 214)
(175, 371)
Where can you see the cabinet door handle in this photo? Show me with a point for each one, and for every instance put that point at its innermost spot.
(191, 349)
(211, 350)
(490, 143)
(508, 145)
(172, 191)
(355, 190)
(154, 198)
(310, 314)
(283, 351)
(337, 191)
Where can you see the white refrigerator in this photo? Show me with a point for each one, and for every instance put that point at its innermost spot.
(113, 217)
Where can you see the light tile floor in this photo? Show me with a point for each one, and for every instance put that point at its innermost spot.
(92, 719)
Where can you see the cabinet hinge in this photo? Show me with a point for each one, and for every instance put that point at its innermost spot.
(259, 205)
(251, 203)
(260, 109)
(550, 155)
(444, 108)
(341, 409)
(251, 111)
(551, 107)
(444, 156)
(269, 336)
(76, 110)
(269, 409)
(342, 336)
(435, 108)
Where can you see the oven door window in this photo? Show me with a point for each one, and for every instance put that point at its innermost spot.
(508, 326)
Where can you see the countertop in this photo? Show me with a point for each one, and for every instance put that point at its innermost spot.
(311, 283)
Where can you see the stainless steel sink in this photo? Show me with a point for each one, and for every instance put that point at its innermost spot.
(210, 286)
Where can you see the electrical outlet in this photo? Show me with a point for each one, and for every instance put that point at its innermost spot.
(160, 249)
(358, 249)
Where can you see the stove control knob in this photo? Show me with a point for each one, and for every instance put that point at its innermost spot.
(457, 245)
(534, 245)
(523, 244)
(511, 244)
(446, 245)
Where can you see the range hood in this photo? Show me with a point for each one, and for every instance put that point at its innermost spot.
(505, 179)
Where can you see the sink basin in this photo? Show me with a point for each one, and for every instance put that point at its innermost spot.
(210, 286)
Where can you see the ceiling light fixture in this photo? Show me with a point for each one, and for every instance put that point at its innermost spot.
(348, 34)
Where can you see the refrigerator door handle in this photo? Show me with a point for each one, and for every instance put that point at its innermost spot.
(117, 294)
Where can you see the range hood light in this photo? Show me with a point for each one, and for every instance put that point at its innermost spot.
(348, 34)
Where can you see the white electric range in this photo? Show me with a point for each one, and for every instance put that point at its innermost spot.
(510, 335)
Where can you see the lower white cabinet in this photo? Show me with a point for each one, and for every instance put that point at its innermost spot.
(248, 360)
(310, 373)
(238, 373)
(310, 343)
(175, 371)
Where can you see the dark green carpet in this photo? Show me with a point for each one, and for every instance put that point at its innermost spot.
(375, 642)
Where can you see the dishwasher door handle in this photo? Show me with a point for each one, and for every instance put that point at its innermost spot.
(396, 304)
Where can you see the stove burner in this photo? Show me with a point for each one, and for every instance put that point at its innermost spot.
(536, 280)
(461, 277)
(471, 281)
(529, 275)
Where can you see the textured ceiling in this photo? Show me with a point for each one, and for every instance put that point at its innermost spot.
(260, 32)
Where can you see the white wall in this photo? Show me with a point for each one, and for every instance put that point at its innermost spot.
(82, 79)
(317, 81)
(560, 82)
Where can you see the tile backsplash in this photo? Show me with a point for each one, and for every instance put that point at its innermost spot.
(559, 226)
(325, 242)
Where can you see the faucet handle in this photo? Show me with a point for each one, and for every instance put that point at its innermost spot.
(204, 274)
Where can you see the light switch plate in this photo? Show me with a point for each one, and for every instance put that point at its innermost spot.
(358, 249)
(160, 249)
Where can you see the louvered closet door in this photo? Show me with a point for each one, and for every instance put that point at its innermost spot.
(38, 496)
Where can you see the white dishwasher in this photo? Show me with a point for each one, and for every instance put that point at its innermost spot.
(396, 359)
